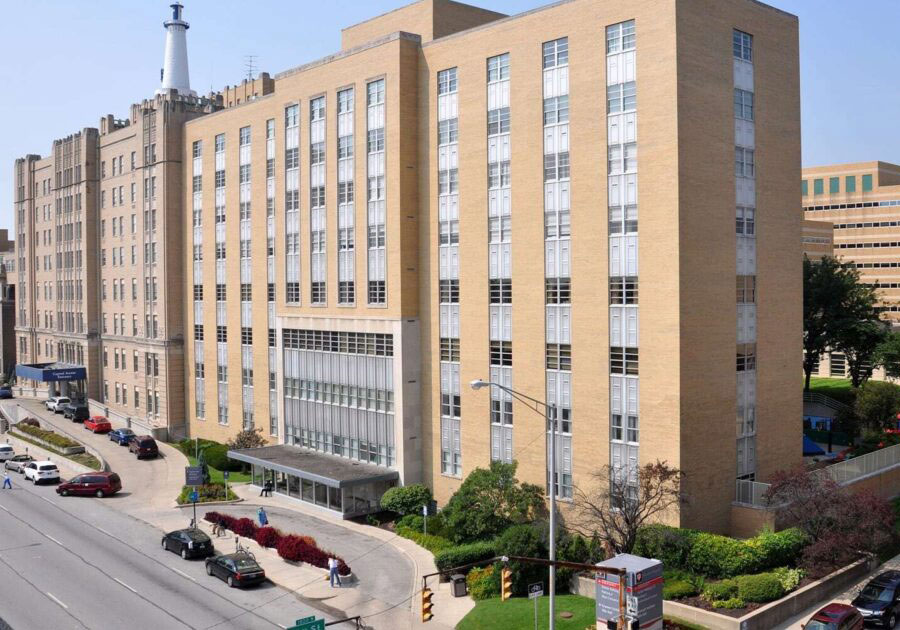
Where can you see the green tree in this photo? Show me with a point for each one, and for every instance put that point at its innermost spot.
(489, 501)
(877, 404)
(888, 354)
(838, 312)
(248, 438)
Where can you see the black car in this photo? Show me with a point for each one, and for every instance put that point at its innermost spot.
(6, 392)
(76, 412)
(237, 569)
(879, 600)
(190, 543)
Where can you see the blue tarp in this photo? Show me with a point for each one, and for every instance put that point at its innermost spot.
(811, 448)
(46, 372)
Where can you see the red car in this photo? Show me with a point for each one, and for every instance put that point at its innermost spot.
(98, 484)
(98, 424)
(835, 617)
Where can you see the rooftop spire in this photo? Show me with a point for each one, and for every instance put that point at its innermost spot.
(175, 74)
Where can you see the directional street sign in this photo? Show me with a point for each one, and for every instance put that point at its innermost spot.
(535, 590)
(309, 623)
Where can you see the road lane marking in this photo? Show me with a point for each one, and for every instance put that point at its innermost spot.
(53, 597)
(124, 584)
(3, 508)
(105, 532)
(54, 540)
(183, 573)
(49, 501)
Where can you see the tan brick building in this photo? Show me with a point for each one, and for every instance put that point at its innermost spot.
(546, 201)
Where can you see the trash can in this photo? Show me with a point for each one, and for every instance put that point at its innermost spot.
(459, 587)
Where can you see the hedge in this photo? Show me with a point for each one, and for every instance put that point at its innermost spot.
(677, 589)
(290, 547)
(406, 499)
(206, 493)
(482, 583)
(760, 588)
(434, 544)
(464, 554)
(717, 591)
(714, 556)
(57, 440)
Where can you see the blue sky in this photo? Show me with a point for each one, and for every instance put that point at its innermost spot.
(849, 52)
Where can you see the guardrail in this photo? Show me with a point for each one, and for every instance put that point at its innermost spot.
(843, 473)
(825, 401)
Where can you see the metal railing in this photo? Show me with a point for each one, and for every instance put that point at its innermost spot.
(825, 401)
(843, 473)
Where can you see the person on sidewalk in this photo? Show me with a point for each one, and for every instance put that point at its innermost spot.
(266, 490)
(333, 571)
(262, 516)
(7, 482)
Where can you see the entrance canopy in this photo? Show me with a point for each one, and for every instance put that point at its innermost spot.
(51, 372)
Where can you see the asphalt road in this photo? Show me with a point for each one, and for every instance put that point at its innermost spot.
(74, 562)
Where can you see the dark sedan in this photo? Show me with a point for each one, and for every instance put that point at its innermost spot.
(879, 600)
(189, 543)
(237, 569)
(16, 462)
(121, 436)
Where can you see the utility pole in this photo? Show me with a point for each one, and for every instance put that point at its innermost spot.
(551, 416)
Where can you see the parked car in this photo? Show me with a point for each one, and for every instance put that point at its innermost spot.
(97, 424)
(122, 436)
(143, 446)
(55, 403)
(835, 617)
(6, 452)
(17, 462)
(76, 412)
(237, 569)
(98, 484)
(879, 600)
(6, 392)
(37, 472)
(189, 543)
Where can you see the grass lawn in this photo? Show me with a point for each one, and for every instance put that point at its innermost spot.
(837, 388)
(215, 475)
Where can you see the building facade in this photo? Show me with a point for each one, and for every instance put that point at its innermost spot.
(425, 208)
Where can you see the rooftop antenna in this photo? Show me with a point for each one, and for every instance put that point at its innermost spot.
(250, 64)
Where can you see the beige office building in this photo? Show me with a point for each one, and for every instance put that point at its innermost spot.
(561, 202)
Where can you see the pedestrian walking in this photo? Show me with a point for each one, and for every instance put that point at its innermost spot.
(7, 482)
(262, 516)
(333, 571)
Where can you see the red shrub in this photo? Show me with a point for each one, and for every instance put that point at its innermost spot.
(268, 536)
(291, 547)
(212, 517)
(243, 527)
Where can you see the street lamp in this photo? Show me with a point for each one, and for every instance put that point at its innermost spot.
(549, 415)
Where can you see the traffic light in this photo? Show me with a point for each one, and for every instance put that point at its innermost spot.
(427, 605)
(505, 584)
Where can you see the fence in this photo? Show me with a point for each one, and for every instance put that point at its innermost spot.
(844, 473)
(825, 401)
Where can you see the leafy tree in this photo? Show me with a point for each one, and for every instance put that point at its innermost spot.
(888, 354)
(406, 499)
(248, 438)
(622, 501)
(838, 312)
(877, 404)
(489, 501)
(525, 541)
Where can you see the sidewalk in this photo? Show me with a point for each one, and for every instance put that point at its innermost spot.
(796, 623)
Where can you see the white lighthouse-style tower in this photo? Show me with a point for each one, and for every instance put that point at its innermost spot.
(175, 74)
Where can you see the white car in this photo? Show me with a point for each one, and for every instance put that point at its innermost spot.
(41, 471)
(55, 403)
(6, 452)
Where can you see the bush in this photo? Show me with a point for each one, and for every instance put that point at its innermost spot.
(415, 522)
(464, 554)
(54, 439)
(760, 588)
(678, 589)
(244, 527)
(267, 537)
(779, 548)
(483, 583)
(715, 591)
(731, 603)
(525, 541)
(216, 457)
(29, 421)
(789, 578)
(206, 493)
(670, 545)
(406, 499)
(434, 544)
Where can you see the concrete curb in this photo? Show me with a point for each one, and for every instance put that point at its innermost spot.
(104, 466)
(191, 505)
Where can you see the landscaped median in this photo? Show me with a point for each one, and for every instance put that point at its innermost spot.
(217, 462)
(29, 430)
(291, 548)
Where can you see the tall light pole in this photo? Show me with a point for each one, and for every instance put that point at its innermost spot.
(549, 415)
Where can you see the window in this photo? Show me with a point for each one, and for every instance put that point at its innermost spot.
(221, 334)
(500, 291)
(743, 104)
(849, 184)
(621, 97)
(198, 292)
(745, 221)
(449, 349)
(498, 121)
(804, 186)
(220, 293)
(867, 183)
(742, 45)
(744, 162)
(623, 290)
(834, 185)
(623, 361)
(447, 81)
(449, 291)
(196, 149)
(559, 356)
(246, 336)
(448, 130)
(556, 53)
(556, 109)
(220, 142)
(620, 37)
(501, 353)
(818, 186)
(244, 137)
(498, 68)
(746, 357)
(746, 289)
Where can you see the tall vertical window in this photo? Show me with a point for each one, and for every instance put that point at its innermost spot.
(317, 200)
(375, 194)
(345, 199)
(292, 203)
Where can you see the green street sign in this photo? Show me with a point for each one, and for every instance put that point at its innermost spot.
(309, 623)
(305, 620)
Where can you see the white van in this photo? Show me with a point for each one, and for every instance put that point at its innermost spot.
(6, 452)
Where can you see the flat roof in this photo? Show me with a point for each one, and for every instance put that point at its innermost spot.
(331, 470)
(46, 372)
